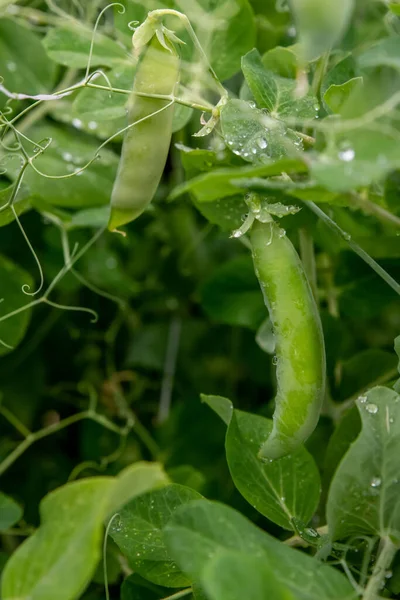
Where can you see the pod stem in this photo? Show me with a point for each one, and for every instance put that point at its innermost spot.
(189, 28)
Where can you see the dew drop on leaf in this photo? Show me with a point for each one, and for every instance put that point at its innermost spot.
(371, 408)
(376, 482)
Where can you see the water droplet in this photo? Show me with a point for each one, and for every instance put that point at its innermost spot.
(362, 399)
(311, 532)
(376, 482)
(389, 574)
(77, 123)
(252, 104)
(262, 143)
(275, 360)
(347, 155)
(11, 66)
(67, 156)
(236, 234)
(92, 125)
(111, 263)
(371, 408)
(281, 232)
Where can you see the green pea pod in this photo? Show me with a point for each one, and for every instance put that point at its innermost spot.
(146, 145)
(300, 352)
(320, 24)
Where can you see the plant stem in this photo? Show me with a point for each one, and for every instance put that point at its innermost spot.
(384, 561)
(357, 249)
(46, 431)
(374, 209)
(180, 594)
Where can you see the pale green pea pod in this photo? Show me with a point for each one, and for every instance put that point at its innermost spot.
(300, 352)
(320, 24)
(146, 144)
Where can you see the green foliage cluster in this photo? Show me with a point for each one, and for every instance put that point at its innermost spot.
(117, 480)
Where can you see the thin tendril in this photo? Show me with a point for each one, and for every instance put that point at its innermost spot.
(110, 522)
(73, 308)
(121, 6)
(26, 287)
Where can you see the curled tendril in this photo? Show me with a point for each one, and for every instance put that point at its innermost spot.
(96, 25)
(26, 287)
(133, 25)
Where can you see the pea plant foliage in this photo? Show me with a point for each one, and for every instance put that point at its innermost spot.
(199, 299)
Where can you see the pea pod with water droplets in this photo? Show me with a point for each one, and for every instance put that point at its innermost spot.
(146, 144)
(300, 353)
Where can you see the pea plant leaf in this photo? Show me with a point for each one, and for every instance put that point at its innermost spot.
(231, 295)
(336, 96)
(219, 183)
(364, 498)
(138, 531)
(10, 512)
(285, 490)
(255, 136)
(13, 329)
(274, 93)
(69, 152)
(59, 560)
(385, 52)
(197, 532)
(24, 65)
(231, 575)
(70, 47)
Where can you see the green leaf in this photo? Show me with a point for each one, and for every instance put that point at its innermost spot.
(283, 490)
(336, 95)
(364, 495)
(188, 476)
(101, 105)
(24, 64)
(233, 576)
(135, 480)
(59, 560)
(21, 203)
(69, 151)
(138, 531)
(201, 529)
(282, 60)
(274, 93)
(223, 407)
(70, 47)
(386, 53)
(356, 159)
(232, 296)
(90, 217)
(217, 184)
(227, 212)
(13, 278)
(10, 512)
(255, 136)
(320, 25)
